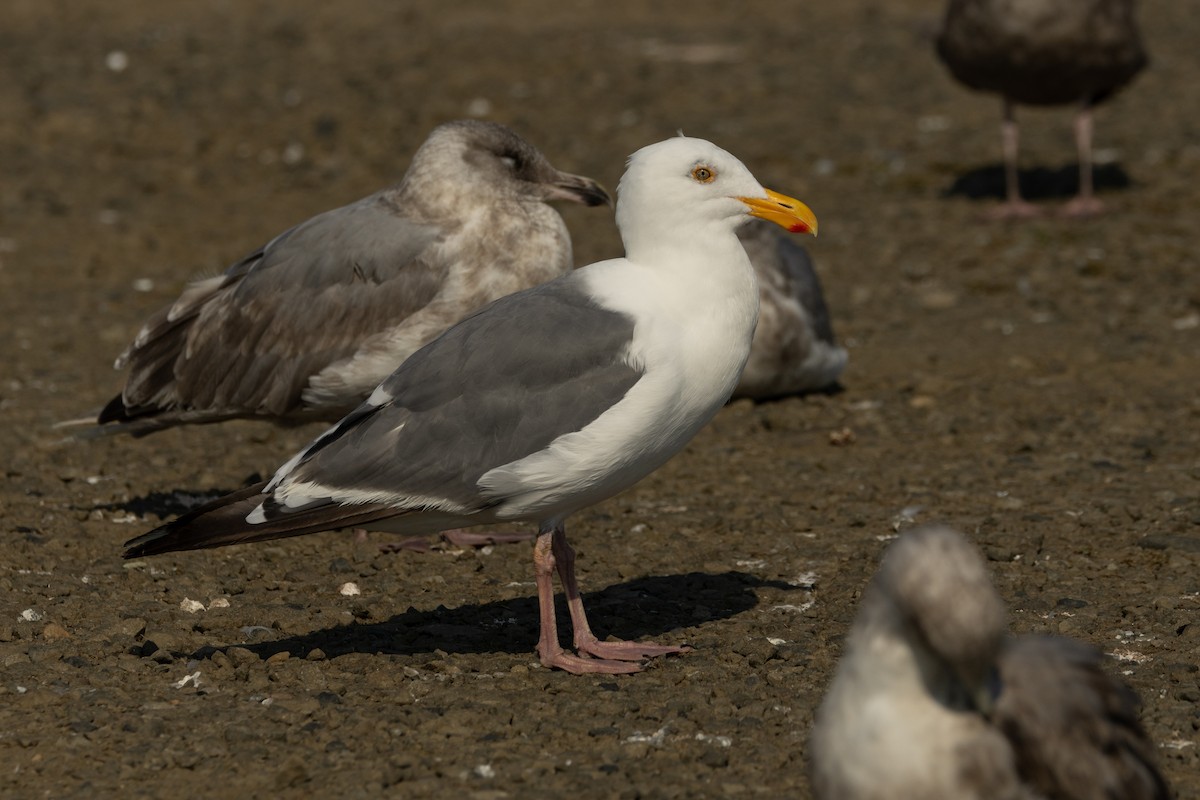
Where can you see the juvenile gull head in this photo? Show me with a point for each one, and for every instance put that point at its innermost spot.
(932, 699)
(307, 326)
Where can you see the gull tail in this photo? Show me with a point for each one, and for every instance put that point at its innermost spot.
(112, 420)
(224, 521)
(89, 419)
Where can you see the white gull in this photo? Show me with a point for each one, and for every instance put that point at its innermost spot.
(546, 401)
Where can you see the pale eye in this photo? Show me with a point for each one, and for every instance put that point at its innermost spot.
(509, 162)
(704, 174)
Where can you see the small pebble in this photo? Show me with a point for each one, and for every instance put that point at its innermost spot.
(193, 679)
(841, 438)
(53, 632)
(191, 606)
(116, 61)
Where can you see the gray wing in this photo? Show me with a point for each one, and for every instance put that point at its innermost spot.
(1073, 728)
(786, 269)
(501, 385)
(794, 349)
(797, 267)
(247, 342)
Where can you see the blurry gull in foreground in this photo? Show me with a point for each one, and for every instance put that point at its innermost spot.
(307, 326)
(548, 400)
(1043, 52)
(794, 349)
(932, 699)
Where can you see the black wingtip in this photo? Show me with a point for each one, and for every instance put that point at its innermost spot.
(114, 411)
(144, 545)
(208, 525)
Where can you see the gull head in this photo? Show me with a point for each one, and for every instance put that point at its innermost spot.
(938, 584)
(681, 184)
(486, 160)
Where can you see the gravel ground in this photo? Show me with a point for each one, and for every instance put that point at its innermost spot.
(1033, 385)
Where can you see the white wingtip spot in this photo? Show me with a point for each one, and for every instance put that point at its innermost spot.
(379, 397)
(257, 516)
(296, 499)
(283, 471)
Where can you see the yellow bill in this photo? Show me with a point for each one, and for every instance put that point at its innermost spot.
(785, 211)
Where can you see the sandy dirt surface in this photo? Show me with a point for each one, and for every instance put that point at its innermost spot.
(1034, 385)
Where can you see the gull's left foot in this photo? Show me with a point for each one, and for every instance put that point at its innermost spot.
(627, 651)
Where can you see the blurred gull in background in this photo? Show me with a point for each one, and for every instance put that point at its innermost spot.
(794, 349)
(1043, 52)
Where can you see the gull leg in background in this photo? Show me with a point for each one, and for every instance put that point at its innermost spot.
(1084, 204)
(1014, 206)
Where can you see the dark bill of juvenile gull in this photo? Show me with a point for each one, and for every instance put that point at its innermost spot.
(794, 350)
(307, 326)
(933, 699)
(546, 401)
(1045, 53)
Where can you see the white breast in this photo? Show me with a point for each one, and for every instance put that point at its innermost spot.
(692, 335)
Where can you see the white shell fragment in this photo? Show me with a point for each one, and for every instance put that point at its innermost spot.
(719, 741)
(193, 679)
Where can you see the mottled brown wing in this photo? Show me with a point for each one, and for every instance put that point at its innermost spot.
(1074, 729)
(246, 343)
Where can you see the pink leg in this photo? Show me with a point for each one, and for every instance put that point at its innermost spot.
(1085, 203)
(585, 640)
(549, 650)
(1014, 207)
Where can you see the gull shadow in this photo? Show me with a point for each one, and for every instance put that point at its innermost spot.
(638, 609)
(1039, 183)
(172, 503)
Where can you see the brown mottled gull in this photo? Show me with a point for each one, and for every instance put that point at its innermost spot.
(794, 348)
(307, 326)
(546, 401)
(932, 699)
(1043, 52)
